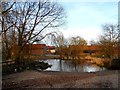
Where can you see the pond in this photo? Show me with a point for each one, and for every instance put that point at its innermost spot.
(62, 65)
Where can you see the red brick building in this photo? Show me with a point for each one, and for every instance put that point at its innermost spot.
(37, 49)
(50, 49)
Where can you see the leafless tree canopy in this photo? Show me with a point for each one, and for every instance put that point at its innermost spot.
(111, 32)
(110, 40)
(77, 41)
(27, 22)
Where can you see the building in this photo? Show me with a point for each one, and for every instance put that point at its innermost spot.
(93, 50)
(51, 50)
(77, 51)
(40, 49)
(37, 49)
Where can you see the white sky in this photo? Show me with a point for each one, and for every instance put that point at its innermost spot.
(85, 18)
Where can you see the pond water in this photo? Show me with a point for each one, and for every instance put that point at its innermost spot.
(62, 65)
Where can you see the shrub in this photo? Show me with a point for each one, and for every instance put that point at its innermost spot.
(43, 65)
(115, 64)
(12, 68)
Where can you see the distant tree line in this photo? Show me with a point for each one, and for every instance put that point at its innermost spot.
(109, 43)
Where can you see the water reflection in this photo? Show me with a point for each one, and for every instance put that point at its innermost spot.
(62, 65)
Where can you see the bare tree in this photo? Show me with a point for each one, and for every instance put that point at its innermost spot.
(77, 41)
(92, 42)
(109, 40)
(60, 43)
(76, 46)
(28, 22)
(118, 45)
(6, 26)
(60, 40)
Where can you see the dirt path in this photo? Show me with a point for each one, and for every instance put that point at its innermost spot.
(49, 79)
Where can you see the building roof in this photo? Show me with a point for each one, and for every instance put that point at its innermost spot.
(50, 47)
(36, 46)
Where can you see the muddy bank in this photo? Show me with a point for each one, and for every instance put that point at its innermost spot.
(49, 79)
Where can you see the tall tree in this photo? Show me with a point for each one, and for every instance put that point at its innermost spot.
(77, 45)
(77, 41)
(109, 40)
(60, 43)
(118, 45)
(6, 27)
(28, 22)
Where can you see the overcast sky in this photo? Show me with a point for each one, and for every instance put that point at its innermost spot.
(85, 18)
